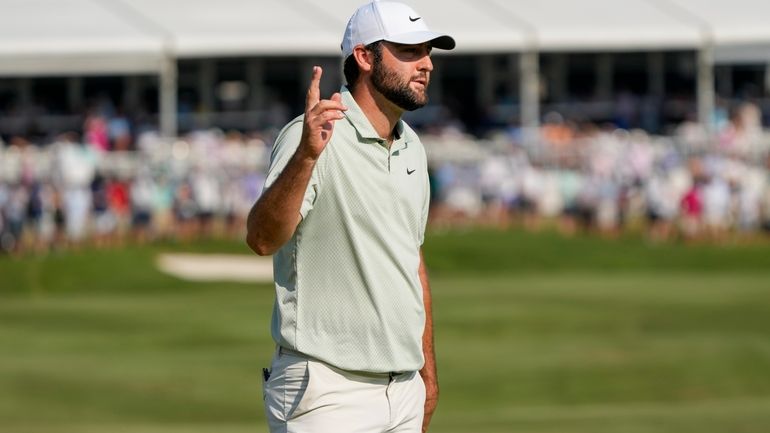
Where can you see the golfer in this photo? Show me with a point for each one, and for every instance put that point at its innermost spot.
(343, 214)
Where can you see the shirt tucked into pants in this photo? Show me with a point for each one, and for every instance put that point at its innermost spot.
(304, 395)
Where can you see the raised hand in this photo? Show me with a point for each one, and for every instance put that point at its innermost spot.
(320, 115)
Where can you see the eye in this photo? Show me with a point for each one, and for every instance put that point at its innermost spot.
(414, 51)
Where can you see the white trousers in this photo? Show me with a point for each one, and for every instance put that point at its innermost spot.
(303, 395)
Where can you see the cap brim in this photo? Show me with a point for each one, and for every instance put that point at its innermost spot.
(437, 40)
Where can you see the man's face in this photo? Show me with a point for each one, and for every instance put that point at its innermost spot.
(401, 73)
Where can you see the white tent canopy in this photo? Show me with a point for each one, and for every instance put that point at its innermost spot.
(238, 27)
(598, 25)
(80, 37)
(738, 30)
(40, 37)
(733, 22)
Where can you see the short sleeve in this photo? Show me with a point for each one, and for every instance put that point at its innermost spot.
(284, 148)
(425, 202)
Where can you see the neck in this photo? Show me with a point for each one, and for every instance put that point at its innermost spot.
(382, 114)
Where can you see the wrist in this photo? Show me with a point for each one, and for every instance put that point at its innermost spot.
(306, 155)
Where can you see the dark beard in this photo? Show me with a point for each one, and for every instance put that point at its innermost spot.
(387, 83)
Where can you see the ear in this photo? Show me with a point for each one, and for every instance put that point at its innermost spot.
(363, 57)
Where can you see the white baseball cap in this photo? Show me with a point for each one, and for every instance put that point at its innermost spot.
(392, 22)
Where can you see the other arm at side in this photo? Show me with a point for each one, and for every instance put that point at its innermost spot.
(428, 372)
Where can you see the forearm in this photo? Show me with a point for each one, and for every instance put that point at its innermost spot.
(274, 217)
(428, 372)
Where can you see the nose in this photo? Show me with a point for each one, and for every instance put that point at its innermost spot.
(426, 64)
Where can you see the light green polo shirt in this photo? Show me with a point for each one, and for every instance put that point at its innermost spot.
(347, 286)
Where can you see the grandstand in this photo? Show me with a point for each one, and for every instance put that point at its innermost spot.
(540, 111)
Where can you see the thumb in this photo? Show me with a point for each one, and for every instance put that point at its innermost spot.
(336, 97)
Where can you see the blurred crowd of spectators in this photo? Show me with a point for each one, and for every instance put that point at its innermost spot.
(70, 192)
(578, 176)
(604, 179)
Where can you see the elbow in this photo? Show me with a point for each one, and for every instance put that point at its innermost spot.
(265, 236)
(261, 249)
(263, 252)
(259, 245)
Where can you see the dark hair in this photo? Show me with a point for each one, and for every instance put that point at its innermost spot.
(350, 67)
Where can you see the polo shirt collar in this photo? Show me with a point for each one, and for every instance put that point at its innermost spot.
(360, 122)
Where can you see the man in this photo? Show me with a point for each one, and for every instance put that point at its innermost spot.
(344, 212)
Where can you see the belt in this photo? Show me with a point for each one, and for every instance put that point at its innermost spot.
(390, 374)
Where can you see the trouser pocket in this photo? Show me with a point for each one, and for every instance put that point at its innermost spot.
(285, 388)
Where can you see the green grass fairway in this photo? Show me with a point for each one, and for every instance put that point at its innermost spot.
(535, 333)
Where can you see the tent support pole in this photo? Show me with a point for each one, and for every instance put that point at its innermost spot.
(529, 73)
(705, 89)
(168, 96)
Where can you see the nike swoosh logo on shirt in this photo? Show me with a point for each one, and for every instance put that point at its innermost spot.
(410, 171)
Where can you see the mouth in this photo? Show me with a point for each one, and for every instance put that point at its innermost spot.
(421, 81)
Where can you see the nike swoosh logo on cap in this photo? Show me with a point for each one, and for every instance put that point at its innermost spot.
(414, 19)
(410, 171)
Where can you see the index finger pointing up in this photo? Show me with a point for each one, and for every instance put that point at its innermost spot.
(314, 92)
